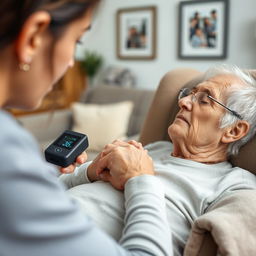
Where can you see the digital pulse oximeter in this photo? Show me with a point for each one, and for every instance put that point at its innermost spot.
(66, 148)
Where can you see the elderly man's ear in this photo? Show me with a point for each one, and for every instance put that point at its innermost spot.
(236, 132)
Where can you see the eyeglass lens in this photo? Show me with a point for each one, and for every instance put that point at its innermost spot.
(203, 98)
(200, 97)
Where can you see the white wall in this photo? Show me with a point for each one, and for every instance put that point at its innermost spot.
(102, 38)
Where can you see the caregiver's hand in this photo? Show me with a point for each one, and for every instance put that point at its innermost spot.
(81, 159)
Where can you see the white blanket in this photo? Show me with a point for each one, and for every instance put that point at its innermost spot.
(232, 224)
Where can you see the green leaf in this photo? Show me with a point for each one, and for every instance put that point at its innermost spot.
(91, 63)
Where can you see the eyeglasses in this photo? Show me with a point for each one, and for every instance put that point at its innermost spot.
(203, 98)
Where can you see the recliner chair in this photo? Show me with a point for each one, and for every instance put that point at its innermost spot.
(162, 113)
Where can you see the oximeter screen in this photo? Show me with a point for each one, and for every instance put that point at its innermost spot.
(67, 141)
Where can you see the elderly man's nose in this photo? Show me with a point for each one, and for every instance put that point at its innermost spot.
(186, 102)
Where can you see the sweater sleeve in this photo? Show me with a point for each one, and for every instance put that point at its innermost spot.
(146, 216)
(78, 177)
(37, 217)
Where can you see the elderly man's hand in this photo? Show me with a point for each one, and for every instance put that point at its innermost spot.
(121, 161)
(92, 168)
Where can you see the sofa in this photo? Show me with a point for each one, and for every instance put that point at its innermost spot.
(47, 126)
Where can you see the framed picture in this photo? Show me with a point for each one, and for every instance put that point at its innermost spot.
(136, 33)
(203, 29)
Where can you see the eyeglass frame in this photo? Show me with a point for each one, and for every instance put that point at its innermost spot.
(211, 98)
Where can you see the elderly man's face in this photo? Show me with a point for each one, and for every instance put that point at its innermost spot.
(196, 127)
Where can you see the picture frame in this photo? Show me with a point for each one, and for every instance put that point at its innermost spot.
(203, 29)
(136, 33)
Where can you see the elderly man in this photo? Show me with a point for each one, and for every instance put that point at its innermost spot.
(215, 119)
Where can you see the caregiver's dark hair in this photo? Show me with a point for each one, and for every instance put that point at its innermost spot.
(14, 13)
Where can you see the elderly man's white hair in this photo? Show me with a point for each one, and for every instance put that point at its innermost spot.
(243, 101)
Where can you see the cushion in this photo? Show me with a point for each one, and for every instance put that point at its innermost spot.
(102, 123)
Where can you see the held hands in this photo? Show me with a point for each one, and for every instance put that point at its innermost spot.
(92, 172)
(117, 163)
(120, 161)
(81, 159)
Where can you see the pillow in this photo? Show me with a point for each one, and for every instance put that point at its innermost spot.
(102, 123)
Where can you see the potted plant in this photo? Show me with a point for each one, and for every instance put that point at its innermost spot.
(91, 64)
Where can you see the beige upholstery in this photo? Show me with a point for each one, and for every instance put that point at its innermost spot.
(47, 126)
(110, 94)
(162, 113)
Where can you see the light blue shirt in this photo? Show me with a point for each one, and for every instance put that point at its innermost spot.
(38, 218)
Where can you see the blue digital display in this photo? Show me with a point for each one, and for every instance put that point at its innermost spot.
(67, 141)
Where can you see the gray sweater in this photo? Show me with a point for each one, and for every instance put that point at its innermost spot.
(38, 218)
(190, 188)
